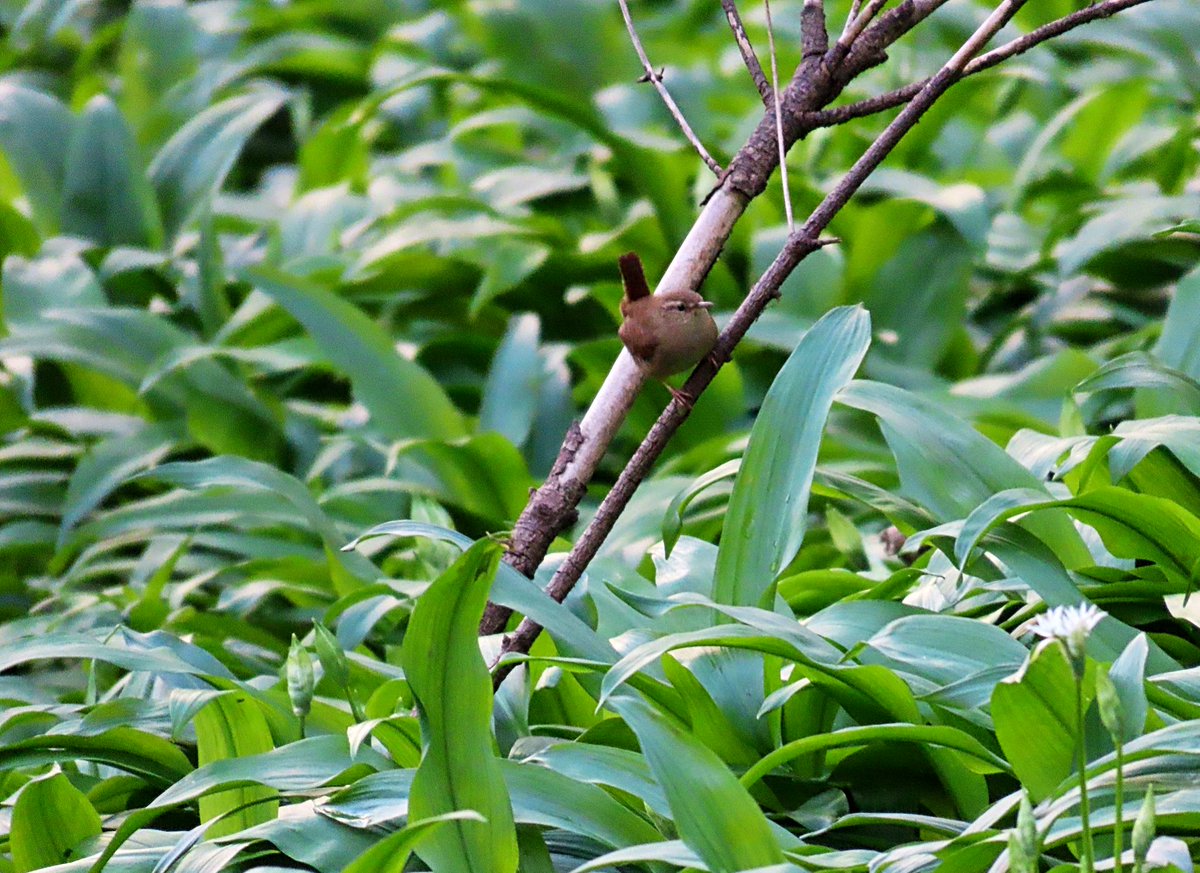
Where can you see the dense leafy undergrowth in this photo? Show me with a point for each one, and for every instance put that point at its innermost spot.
(280, 274)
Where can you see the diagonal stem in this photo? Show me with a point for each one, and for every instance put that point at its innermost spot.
(900, 96)
(749, 58)
(656, 79)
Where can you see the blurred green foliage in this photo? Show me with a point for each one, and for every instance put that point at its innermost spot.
(275, 273)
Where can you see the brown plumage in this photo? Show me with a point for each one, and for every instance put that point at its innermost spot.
(666, 333)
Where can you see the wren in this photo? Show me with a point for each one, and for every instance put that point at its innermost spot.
(665, 333)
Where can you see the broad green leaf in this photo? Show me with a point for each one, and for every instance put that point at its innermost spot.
(715, 816)
(191, 167)
(964, 205)
(35, 130)
(1132, 525)
(1128, 674)
(300, 766)
(543, 797)
(1178, 346)
(245, 474)
(947, 649)
(402, 398)
(513, 590)
(948, 467)
(1033, 562)
(672, 525)
(926, 736)
(1036, 726)
(108, 464)
(766, 521)
(390, 854)
(50, 819)
(448, 678)
(1139, 370)
(128, 650)
(105, 196)
(228, 727)
(52, 280)
(510, 395)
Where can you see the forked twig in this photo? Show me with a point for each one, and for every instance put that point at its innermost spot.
(656, 78)
(900, 96)
(859, 22)
(749, 58)
(783, 176)
(854, 9)
(799, 245)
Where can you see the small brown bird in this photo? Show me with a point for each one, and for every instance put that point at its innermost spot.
(666, 333)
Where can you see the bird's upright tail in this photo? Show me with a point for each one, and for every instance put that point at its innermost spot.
(633, 276)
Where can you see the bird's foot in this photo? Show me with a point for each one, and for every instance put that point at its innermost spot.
(683, 397)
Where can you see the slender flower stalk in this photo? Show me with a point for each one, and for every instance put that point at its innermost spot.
(1087, 861)
(1113, 718)
(1070, 627)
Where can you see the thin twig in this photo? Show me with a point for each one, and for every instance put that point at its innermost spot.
(1020, 45)
(814, 38)
(854, 8)
(656, 79)
(783, 177)
(799, 245)
(859, 24)
(749, 58)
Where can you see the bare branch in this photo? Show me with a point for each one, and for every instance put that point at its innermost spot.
(652, 76)
(749, 58)
(859, 24)
(900, 96)
(815, 83)
(799, 245)
(854, 10)
(787, 194)
(814, 39)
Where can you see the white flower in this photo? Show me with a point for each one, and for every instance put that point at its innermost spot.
(1064, 621)
(1071, 625)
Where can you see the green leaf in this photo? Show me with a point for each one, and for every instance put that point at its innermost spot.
(543, 797)
(1128, 674)
(191, 167)
(672, 524)
(768, 509)
(350, 569)
(510, 395)
(402, 398)
(950, 468)
(35, 130)
(105, 196)
(1034, 713)
(448, 678)
(513, 590)
(390, 854)
(227, 727)
(50, 819)
(109, 463)
(1140, 370)
(714, 814)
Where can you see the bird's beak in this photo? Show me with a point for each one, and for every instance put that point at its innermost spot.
(704, 304)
